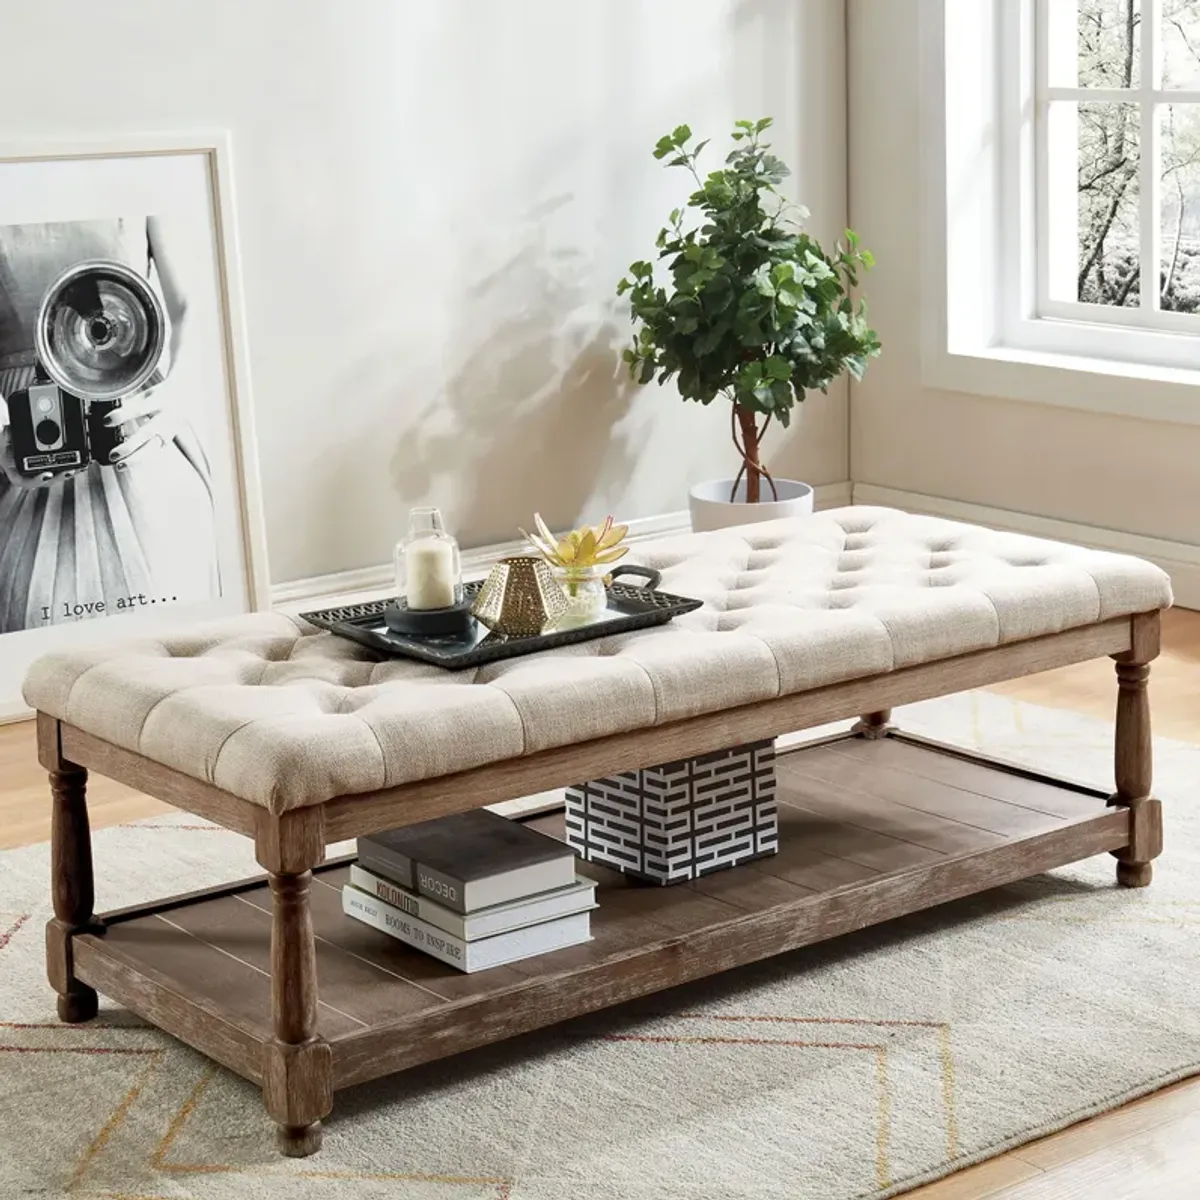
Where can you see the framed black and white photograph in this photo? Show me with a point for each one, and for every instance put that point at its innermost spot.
(128, 491)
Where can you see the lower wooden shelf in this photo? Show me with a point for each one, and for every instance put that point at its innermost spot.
(869, 831)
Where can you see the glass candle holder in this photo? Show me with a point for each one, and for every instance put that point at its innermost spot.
(428, 564)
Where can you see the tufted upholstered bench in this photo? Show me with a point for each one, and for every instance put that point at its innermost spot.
(300, 739)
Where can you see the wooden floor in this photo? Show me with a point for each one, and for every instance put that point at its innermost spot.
(1148, 1150)
(1089, 688)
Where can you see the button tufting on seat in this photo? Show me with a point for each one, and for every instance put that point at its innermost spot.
(284, 715)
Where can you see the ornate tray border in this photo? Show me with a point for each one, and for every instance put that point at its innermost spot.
(642, 607)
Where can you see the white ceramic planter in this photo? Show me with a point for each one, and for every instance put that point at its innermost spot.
(711, 507)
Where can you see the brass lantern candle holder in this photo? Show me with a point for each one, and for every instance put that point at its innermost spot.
(519, 597)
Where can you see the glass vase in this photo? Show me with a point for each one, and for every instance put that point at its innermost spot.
(428, 563)
(584, 587)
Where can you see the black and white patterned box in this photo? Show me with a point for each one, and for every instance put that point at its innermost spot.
(681, 820)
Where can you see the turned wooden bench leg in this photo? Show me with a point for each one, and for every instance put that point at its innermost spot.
(71, 886)
(1133, 756)
(298, 1064)
(874, 725)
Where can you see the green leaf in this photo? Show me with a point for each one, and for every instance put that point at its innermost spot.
(749, 306)
(765, 123)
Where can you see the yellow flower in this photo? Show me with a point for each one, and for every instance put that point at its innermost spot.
(584, 547)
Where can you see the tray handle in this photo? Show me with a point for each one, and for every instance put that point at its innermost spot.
(653, 578)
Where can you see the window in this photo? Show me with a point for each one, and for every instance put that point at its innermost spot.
(1060, 216)
(1118, 162)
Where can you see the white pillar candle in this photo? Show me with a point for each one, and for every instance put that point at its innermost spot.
(429, 574)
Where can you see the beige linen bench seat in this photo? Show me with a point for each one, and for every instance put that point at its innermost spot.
(277, 713)
(299, 739)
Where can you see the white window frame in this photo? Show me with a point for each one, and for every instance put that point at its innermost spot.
(989, 327)
(1149, 96)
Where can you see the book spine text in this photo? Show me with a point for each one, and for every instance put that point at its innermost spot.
(444, 889)
(407, 929)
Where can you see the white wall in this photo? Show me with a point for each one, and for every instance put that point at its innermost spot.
(435, 201)
(1113, 472)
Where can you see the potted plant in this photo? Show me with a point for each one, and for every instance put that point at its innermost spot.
(754, 311)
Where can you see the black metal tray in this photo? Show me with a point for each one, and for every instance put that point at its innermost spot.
(628, 608)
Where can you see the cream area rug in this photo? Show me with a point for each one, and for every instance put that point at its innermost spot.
(854, 1069)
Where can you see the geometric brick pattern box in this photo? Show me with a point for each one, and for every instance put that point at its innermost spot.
(681, 820)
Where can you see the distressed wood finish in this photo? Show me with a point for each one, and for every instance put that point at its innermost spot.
(159, 907)
(297, 1065)
(356, 816)
(144, 975)
(164, 783)
(854, 850)
(707, 950)
(71, 886)
(291, 843)
(1133, 755)
(874, 725)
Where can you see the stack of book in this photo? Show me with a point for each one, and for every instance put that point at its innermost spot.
(474, 890)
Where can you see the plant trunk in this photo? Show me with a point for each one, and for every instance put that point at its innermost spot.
(749, 428)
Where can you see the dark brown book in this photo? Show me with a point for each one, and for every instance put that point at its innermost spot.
(475, 859)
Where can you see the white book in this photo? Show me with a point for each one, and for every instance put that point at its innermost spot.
(467, 956)
(484, 922)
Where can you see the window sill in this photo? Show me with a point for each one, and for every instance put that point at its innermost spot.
(1094, 385)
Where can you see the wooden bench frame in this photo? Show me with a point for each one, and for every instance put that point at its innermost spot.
(296, 1067)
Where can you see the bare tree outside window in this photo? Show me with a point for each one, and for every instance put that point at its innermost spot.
(1111, 206)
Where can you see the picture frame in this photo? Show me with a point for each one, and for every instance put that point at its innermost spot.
(123, 342)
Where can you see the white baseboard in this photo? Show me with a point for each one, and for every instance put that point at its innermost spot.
(347, 587)
(833, 495)
(1181, 560)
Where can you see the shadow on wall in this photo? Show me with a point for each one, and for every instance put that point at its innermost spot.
(529, 419)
